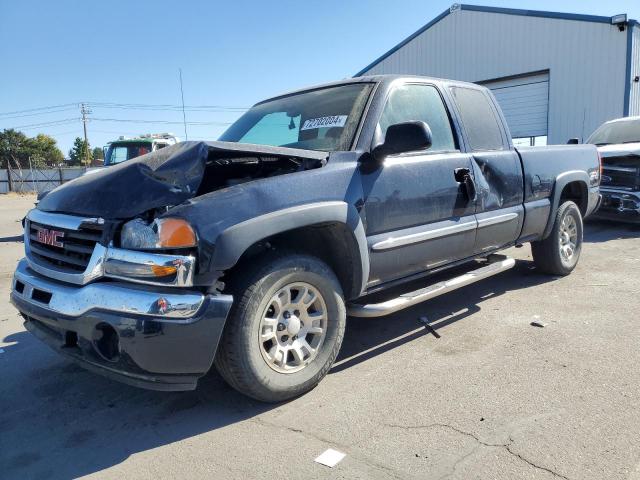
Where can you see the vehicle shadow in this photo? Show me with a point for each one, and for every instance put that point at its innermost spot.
(59, 421)
(597, 231)
(366, 338)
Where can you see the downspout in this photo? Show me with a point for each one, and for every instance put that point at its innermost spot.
(627, 77)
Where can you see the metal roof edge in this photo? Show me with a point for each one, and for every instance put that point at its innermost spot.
(538, 13)
(404, 42)
(506, 11)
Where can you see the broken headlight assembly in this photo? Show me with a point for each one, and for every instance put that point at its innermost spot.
(148, 253)
(161, 234)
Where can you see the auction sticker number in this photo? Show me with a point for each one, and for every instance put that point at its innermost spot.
(322, 122)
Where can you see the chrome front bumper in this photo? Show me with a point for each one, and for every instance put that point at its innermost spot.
(150, 337)
(114, 297)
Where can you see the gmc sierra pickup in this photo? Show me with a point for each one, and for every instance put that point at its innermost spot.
(248, 253)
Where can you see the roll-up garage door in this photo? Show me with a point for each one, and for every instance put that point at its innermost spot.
(525, 103)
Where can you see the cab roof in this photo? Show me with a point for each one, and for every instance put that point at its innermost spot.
(378, 79)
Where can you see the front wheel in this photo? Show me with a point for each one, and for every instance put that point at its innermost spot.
(558, 254)
(285, 329)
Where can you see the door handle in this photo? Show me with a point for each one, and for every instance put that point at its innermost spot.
(463, 176)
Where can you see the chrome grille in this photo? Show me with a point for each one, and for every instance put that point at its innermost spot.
(75, 253)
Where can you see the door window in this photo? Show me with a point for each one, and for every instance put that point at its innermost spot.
(413, 102)
(479, 119)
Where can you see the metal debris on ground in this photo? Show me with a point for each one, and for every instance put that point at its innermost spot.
(428, 327)
(537, 322)
(330, 457)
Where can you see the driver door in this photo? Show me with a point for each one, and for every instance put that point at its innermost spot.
(418, 214)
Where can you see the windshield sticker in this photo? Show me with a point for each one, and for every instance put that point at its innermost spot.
(322, 122)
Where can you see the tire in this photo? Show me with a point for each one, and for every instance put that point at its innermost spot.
(260, 368)
(551, 255)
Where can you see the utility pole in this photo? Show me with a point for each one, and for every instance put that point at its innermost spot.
(84, 110)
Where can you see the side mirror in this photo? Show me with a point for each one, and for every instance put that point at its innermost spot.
(573, 141)
(403, 137)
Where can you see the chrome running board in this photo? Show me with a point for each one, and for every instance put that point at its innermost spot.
(497, 264)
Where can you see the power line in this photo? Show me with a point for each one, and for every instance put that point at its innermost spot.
(165, 122)
(145, 106)
(38, 109)
(39, 113)
(46, 124)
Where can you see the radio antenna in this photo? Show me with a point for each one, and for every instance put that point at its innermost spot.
(184, 116)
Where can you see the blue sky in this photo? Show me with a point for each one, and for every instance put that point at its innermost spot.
(232, 54)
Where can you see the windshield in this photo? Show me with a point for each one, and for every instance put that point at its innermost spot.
(324, 119)
(121, 152)
(627, 131)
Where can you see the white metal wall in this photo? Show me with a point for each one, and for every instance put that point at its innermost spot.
(634, 97)
(586, 62)
(524, 102)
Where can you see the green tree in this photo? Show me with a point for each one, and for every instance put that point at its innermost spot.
(13, 149)
(16, 150)
(78, 154)
(97, 153)
(44, 152)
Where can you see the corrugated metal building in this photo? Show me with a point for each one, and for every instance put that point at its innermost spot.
(556, 75)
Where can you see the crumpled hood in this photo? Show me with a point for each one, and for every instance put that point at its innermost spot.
(619, 150)
(166, 177)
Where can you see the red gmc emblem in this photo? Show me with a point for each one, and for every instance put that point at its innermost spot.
(50, 237)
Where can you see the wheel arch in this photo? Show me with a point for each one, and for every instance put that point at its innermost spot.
(332, 231)
(568, 186)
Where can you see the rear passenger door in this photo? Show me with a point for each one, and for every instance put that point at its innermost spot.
(418, 215)
(497, 169)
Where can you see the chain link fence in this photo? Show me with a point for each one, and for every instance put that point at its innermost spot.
(37, 180)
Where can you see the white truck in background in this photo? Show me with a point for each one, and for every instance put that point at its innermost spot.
(124, 148)
(618, 143)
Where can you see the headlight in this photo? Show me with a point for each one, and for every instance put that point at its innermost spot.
(161, 233)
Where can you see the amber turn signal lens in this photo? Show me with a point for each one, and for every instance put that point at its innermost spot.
(162, 271)
(175, 233)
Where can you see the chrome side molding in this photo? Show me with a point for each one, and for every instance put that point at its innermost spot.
(461, 227)
(500, 263)
(424, 236)
(506, 217)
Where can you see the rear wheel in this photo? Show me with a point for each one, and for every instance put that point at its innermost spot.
(285, 328)
(558, 254)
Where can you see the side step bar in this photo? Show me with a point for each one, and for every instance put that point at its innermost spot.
(498, 263)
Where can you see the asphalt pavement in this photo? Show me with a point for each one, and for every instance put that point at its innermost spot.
(487, 396)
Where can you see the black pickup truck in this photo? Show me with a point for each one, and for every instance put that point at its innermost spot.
(249, 252)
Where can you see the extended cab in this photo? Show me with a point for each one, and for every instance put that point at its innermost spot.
(249, 252)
